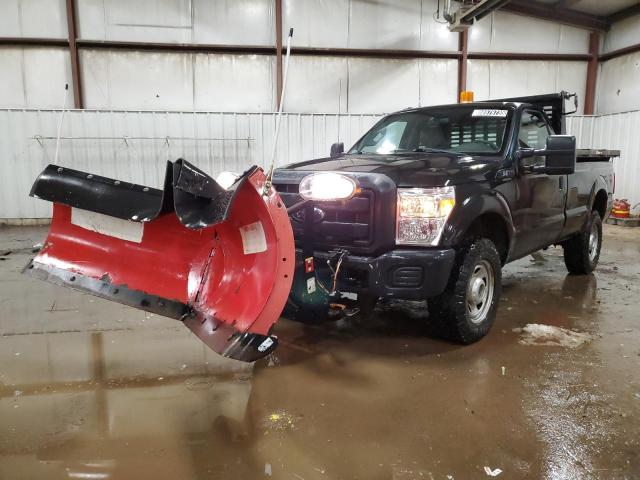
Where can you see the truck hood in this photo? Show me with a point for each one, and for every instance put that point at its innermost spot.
(408, 169)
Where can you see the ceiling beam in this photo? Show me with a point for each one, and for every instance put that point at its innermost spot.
(620, 52)
(34, 42)
(625, 13)
(565, 3)
(557, 14)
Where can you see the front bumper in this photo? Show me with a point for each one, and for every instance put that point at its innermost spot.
(409, 274)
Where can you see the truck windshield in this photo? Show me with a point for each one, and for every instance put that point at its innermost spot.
(469, 130)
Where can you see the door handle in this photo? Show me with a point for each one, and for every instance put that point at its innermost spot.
(561, 183)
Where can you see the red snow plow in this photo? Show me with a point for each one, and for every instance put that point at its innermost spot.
(220, 260)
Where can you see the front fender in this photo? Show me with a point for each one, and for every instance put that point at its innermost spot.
(470, 205)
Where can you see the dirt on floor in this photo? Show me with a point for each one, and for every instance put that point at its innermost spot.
(95, 390)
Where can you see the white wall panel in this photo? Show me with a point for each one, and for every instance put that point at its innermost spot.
(435, 35)
(438, 81)
(137, 80)
(619, 78)
(383, 85)
(241, 22)
(33, 18)
(12, 88)
(619, 84)
(243, 83)
(367, 24)
(572, 77)
(34, 77)
(317, 23)
(234, 22)
(176, 81)
(507, 32)
(317, 84)
(623, 34)
(617, 131)
(385, 24)
(145, 20)
(507, 78)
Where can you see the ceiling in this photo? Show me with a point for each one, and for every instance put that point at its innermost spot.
(591, 14)
(602, 8)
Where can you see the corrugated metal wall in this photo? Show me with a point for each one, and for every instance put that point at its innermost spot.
(618, 131)
(619, 78)
(134, 146)
(149, 80)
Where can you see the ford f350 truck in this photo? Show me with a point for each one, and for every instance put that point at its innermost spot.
(443, 197)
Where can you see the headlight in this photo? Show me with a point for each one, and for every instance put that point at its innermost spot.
(327, 187)
(422, 214)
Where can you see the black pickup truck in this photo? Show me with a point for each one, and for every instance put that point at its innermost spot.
(442, 198)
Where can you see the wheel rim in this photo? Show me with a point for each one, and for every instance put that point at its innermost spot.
(480, 292)
(593, 242)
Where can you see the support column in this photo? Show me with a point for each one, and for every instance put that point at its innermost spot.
(73, 53)
(463, 43)
(592, 74)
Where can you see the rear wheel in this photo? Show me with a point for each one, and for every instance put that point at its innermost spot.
(467, 308)
(582, 251)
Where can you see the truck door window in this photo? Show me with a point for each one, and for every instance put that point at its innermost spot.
(533, 133)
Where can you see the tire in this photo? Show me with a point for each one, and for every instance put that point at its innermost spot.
(582, 251)
(467, 309)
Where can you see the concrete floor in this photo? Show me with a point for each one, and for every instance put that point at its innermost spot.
(91, 389)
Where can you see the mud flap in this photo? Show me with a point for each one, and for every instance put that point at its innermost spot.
(221, 261)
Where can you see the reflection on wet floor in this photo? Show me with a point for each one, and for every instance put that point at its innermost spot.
(91, 389)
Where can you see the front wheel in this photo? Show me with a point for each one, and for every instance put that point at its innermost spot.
(582, 251)
(467, 308)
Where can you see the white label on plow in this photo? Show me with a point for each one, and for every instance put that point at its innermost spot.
(311, 285)
(264, 345)
(253, 239)
(106, 225)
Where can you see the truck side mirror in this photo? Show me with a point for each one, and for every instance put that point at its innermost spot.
(337, 149)
(561, 155)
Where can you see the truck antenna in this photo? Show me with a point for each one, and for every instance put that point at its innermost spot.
(267, 183)
(64, 107)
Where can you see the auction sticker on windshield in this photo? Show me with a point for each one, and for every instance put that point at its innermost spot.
(487, 112)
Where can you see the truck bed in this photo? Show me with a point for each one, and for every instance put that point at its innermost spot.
(596, 155)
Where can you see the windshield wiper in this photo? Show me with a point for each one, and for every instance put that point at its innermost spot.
(421, 150)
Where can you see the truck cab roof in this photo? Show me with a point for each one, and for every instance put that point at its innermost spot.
(552, 104)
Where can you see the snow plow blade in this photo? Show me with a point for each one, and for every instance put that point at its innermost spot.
(219, 260)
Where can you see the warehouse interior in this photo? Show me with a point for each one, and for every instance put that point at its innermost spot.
(94, 389)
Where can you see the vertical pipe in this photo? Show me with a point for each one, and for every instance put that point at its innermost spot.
(73, 52)
(278, 23)
(463, 41)
(592, 74)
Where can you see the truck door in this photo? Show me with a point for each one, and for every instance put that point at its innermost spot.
(538, 198)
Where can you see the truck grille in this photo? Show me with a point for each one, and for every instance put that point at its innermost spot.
(348, 224)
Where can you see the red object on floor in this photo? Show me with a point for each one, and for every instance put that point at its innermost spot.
(621, 209)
